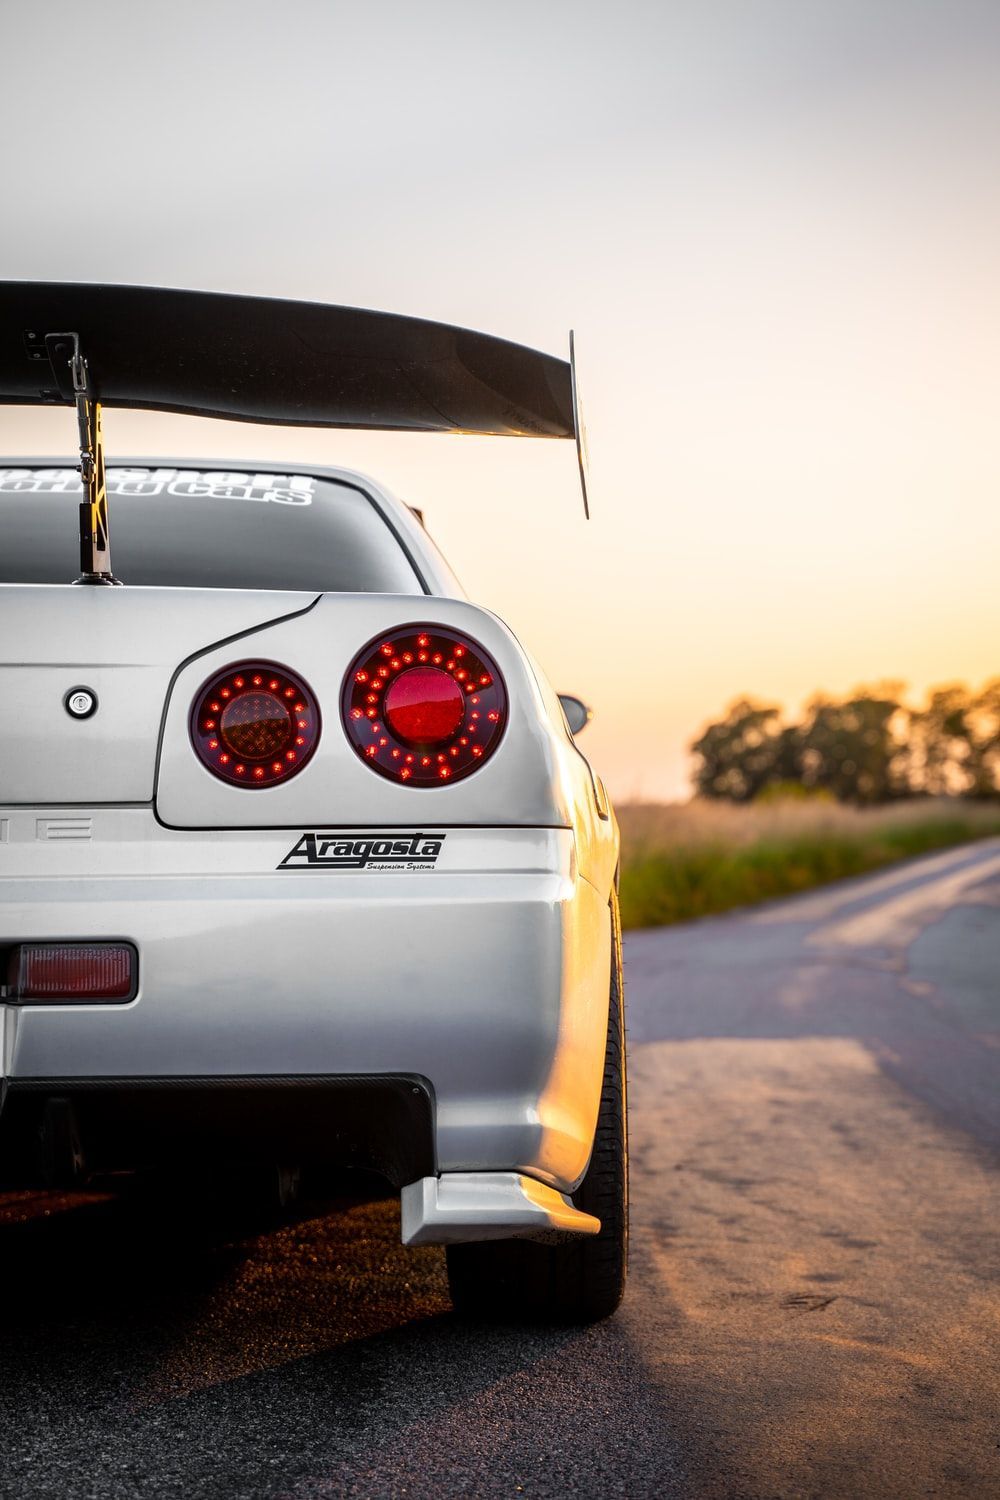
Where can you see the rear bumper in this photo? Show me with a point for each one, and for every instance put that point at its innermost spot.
(486, 976)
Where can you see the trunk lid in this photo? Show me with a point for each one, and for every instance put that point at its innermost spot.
(124, 645)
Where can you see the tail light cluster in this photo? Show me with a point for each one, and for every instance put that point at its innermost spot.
(423, 707)
(255, 724)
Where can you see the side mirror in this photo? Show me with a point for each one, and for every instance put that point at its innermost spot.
(578, 715)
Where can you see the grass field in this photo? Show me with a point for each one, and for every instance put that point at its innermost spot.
(690, 859)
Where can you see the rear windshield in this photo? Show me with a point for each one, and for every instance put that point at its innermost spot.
(194, 528)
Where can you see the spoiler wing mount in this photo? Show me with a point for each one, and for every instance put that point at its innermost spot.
(71, 373)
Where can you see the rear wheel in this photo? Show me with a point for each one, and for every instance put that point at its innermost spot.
(582, 1279)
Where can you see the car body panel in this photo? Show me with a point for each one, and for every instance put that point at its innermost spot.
(518, 784)
(123, 644)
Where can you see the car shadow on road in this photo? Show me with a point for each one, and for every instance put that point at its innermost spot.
(145, 1353)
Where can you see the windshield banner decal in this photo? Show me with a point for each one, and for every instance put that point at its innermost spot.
(212, 484)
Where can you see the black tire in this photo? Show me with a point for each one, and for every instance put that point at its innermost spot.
(582, 1279)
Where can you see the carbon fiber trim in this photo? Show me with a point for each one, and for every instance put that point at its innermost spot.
(380, 1123)
(198, 1081)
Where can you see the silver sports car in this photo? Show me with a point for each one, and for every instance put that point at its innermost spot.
(300, 863)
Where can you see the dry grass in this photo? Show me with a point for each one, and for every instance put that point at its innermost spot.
(691, 859)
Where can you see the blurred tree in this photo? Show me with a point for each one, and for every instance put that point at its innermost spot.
(869, 748)
(956, 741)
(985, 720)
(744, 752)
(854, 749)
(943, 747)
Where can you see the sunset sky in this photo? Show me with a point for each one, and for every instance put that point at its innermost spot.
(774, 225)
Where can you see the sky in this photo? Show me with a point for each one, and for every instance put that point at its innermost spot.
(773, 224)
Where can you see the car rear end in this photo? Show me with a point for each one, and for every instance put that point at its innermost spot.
(294, 874)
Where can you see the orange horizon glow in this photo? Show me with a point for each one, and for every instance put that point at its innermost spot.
(777, 242)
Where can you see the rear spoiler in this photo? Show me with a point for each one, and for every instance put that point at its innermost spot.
(261, 359)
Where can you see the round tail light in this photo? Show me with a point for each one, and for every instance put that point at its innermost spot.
(255, 724)
(424, 706)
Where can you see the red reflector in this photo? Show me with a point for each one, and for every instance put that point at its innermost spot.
(72, 971)
(424, 706)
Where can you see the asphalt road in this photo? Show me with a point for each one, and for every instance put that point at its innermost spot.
(813, 1308)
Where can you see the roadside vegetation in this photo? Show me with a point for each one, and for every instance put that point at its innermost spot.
(783, 805)
(701, 857)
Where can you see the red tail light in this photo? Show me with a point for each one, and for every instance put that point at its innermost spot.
(255, 724)
(424, 706)
(61, 972)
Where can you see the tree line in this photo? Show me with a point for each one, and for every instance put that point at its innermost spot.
(868, 748)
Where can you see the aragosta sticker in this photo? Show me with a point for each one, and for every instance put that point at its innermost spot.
(364, 851)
